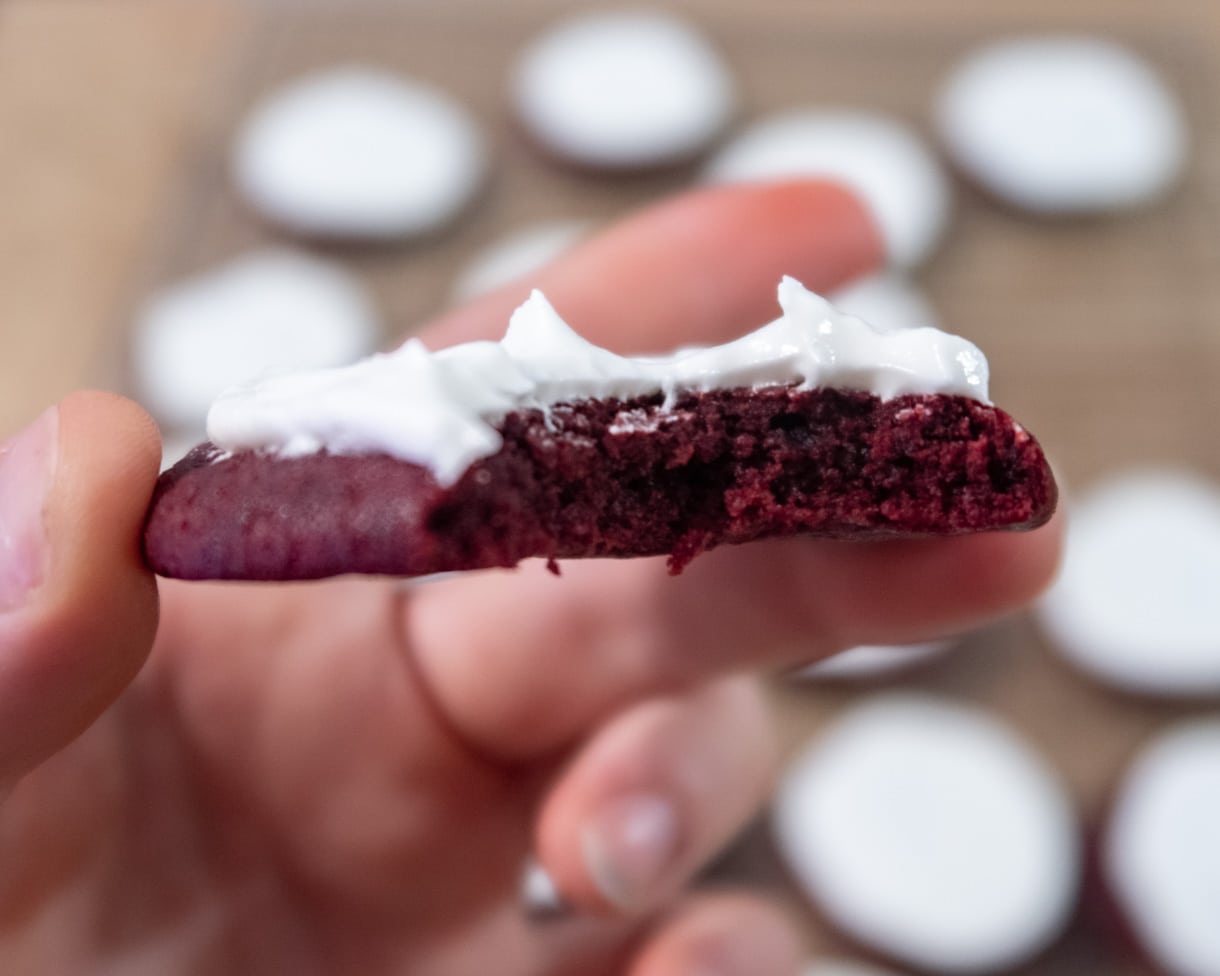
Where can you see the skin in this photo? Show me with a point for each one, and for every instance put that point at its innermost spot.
(348, 776)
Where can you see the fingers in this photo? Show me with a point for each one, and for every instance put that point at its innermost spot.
(77, 607)
(608, 633)
(729, 935)
(655, 795)
(701, 267)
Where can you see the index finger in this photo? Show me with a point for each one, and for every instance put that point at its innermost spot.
(524, 664)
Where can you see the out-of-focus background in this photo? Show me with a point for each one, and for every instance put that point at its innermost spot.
(118, 122)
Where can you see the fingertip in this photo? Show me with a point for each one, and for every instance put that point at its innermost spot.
(656, 794)
(81, 616)
(726, 934)
(109, 455)
(1002, 572)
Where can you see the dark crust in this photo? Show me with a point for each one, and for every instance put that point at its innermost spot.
(611, 478)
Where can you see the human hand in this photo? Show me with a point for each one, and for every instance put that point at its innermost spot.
(348, 776)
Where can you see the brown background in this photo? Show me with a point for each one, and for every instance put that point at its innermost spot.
(1102, 334)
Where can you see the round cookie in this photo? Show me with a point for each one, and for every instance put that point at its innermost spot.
(358, 154)
(880, 158)
(516, 255)
(1063, 125)
(273, 309)
(888, 300)
(623, 91)
(1160, 855)
(1135, 603)
(928, 831)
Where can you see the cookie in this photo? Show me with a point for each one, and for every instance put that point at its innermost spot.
(518, 255)
(226, 326)
(1063, 125)
(884, 161)
(544, 445)
(1160, 857)
(929, 832)
(874, 662)
(623, 91)
(358, 154)
(1135, 604)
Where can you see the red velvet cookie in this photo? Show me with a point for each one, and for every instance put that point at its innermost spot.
(611, 478)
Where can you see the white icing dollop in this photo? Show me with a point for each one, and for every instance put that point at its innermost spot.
(439, 409)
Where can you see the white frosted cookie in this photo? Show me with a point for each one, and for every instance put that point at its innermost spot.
(625, 90)
(888, 300)
(356, 153)
(1161, 851)
(1063, 125)
(930, 832)
(516, 255)
(1136, 603)
(273, 309)
(868, 661)
(880, 158)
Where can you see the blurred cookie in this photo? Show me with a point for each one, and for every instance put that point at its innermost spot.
(868, 662)
(1135, 604)
(928, 831)
(516, 256)
(1161, 850)
(880, 158)
(623, 91)
(887, 300)
(358, 154)
(1063, 125)
(268, 309)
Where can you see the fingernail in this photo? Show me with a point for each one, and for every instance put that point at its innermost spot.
(629, 848)
(27, 468)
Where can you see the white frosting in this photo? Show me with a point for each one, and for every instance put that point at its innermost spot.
(439, 409)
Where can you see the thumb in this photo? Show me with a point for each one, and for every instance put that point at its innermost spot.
(78, 610)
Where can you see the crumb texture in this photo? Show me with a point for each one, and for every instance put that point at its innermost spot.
(611, 478)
